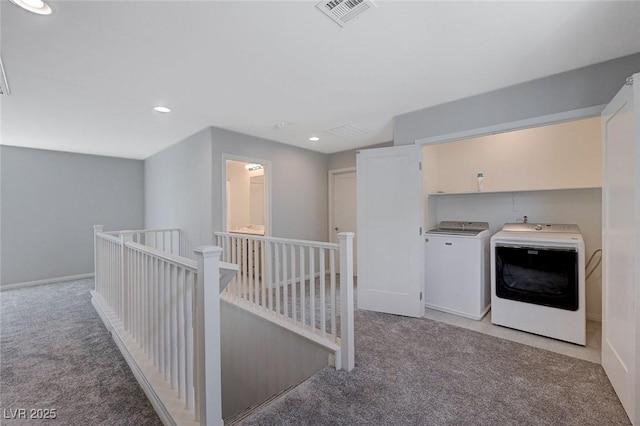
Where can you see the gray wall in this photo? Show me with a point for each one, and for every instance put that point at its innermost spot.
(261, 359)
(50, 202)
(178, 190)
(344, 159)
(183, 186)
(590, 86)
(299, 184)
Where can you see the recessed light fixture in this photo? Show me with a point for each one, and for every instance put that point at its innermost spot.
(34, 6)
(162, 109)
(314, 138)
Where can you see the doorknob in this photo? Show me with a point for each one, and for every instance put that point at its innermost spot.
(336, 228)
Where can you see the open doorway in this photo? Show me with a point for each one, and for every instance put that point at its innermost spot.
(247, 196)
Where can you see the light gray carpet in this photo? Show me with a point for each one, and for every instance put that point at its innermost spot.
(57, 354)
(421, 372)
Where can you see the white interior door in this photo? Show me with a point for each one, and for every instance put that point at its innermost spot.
(389, 216)
(343, 208)
(621, 248)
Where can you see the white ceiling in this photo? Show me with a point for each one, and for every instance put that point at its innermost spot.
(85, 79)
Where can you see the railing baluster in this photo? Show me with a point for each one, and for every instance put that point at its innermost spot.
(180, 301)
(188, 315)
(268, 273)
(249, 258)
(174, 325)
(158, 325)
(256, 273)
(302, 288)
(293, 283)
(276, 250)
(285, 282)
(167, 318)
(312, 288)
(245, 273)
(263, 273)
(332, 267)
(323, 303)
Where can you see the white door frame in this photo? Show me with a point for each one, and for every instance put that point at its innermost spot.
(332, 176)
(267, 179)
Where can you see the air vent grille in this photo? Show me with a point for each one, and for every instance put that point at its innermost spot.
(348, 131)
(343, 11)
(4, 86)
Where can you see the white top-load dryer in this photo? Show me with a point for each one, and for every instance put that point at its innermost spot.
(457, 274)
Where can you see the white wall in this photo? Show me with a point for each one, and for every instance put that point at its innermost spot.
(566, 155)
(50, 202)
(178, 190)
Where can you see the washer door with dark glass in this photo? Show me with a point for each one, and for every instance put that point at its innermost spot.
(539, 275)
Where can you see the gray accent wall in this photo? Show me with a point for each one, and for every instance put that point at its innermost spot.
(345, 159)
(184, 187)
(261, 359)
(50, 202)
(581, 88)
(178, 190)
(299, 184)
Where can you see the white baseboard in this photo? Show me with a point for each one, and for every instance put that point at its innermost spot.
(47, 281)
(164, 400)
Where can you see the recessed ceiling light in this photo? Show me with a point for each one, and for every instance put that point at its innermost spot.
(314, 138)
(34, 6)
(161, 109)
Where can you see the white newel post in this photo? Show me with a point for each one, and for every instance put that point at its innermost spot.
(346, 301)
(207, 337)
(96, 260)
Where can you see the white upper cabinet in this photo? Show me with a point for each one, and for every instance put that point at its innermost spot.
(559, 156)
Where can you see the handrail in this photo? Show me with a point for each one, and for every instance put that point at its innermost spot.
(108, 237)
(133, 231)
(309, 243)
(190, 264)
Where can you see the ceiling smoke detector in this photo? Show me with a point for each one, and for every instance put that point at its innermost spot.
(343, 11)
(4, 86)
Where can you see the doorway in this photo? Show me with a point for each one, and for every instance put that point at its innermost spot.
(246, 208)
(342, 207)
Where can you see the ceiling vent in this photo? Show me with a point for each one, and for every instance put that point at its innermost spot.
(343, 11)
(4, 86)
(348, 131)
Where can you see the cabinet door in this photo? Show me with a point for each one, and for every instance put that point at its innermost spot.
(390, 215)
(621, 246)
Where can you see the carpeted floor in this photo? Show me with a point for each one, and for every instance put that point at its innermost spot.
(421, 372)
(55, 353)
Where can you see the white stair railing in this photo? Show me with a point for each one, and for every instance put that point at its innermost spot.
(164, 314)
(296, 284)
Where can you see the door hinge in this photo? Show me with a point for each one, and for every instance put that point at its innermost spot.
(629, 81)
(421, 230)
(420, 165)
(420, 295)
